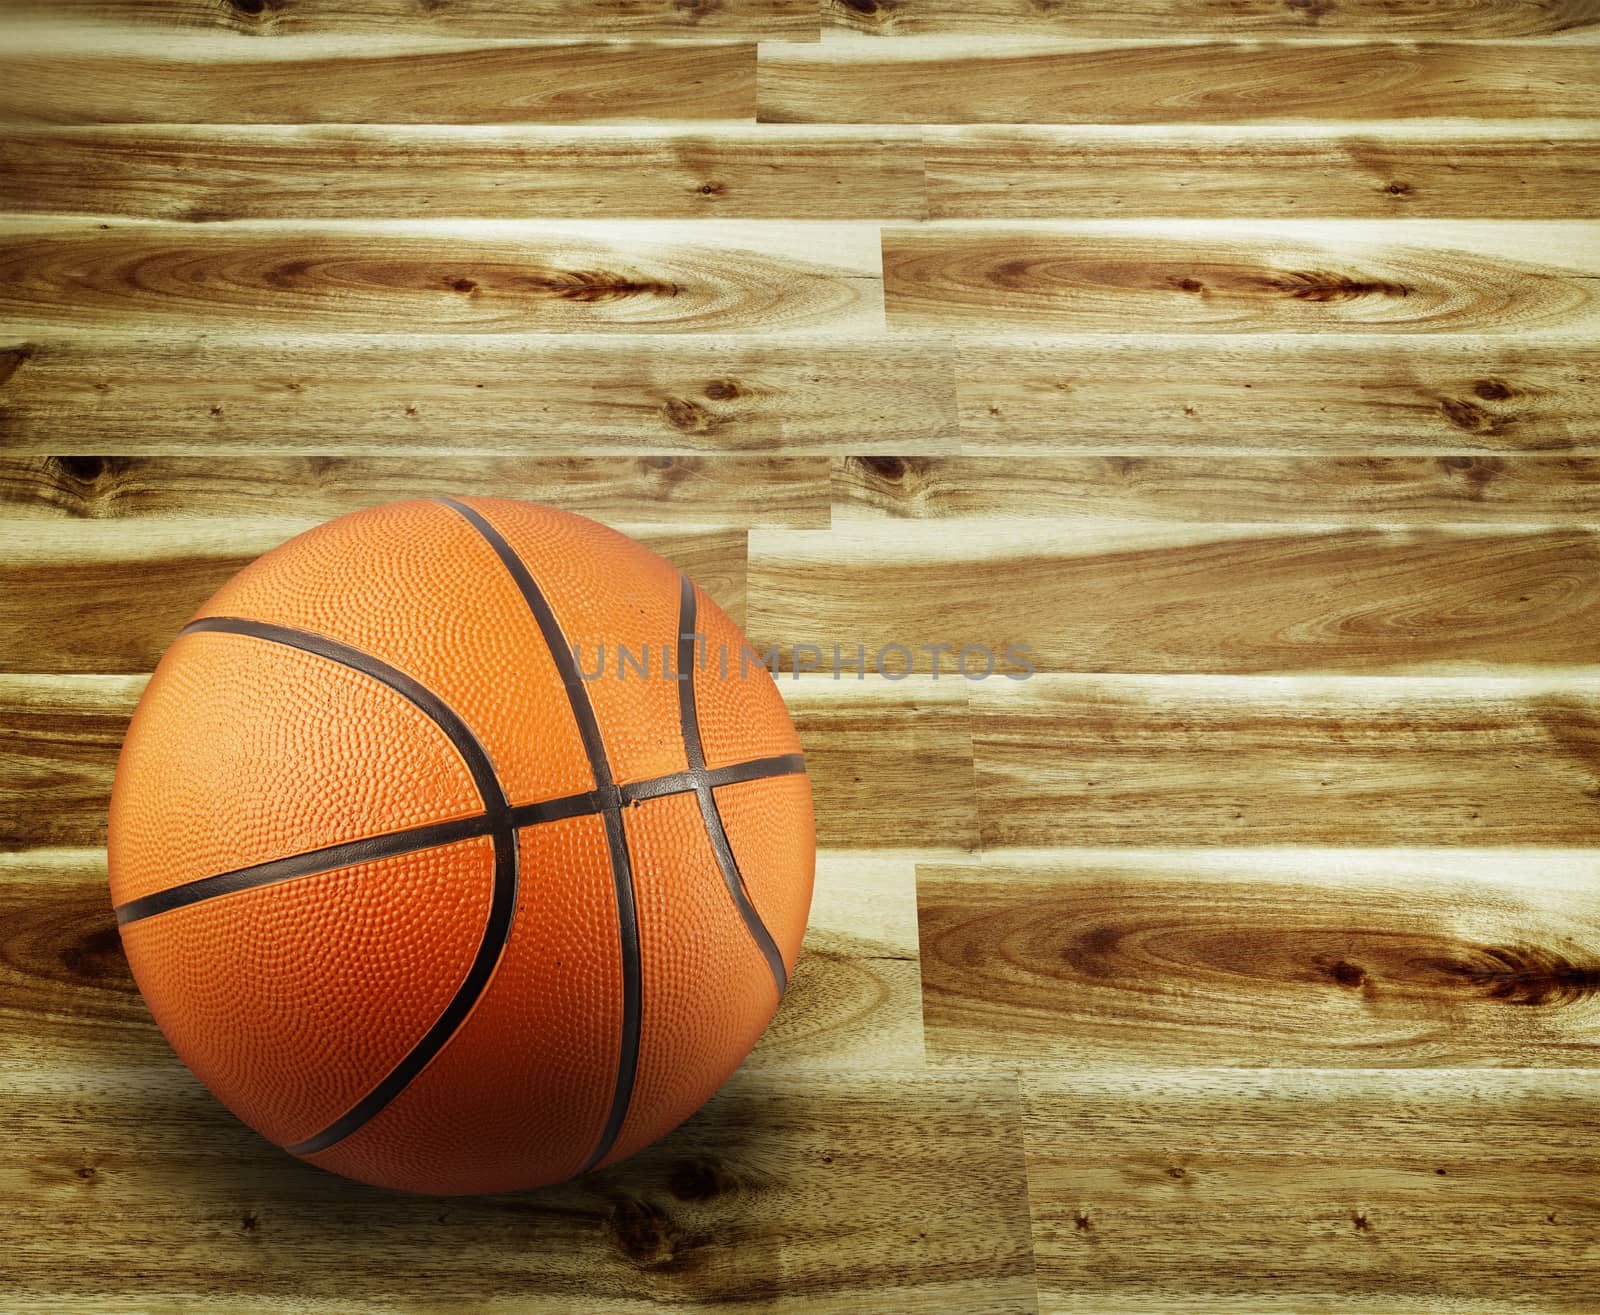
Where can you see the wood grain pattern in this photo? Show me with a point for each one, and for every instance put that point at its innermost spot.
(1472, 19)
(1363, 394)
(170, 79)
(460, 277)
(1317, 1191)
(1451, 171)
(501, 19)
(938, 79)
(66, 729)
(101, 596)
(738, 491)
(1238, 357)
(1105, 595)
(1329, 276)
(466, 393)
(706, 1215)
(1263, 958)
(1523, 489)
(204, 173)
(1354, 760)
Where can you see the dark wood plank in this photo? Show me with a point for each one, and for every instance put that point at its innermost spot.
(1208, 1191)
(1478, 171)
(1263, 959)
(736, 491)
(460, 277)
(170, 79)
(1104, 596)
(1522, 489)
(464, 394)
(1215, 760)
(1453, 19)
(955, 80)
(56, 770)
(1295, 276)
(1440, 394)
(109, 596)
(501, 19)
(128, 1182)
(208, 173)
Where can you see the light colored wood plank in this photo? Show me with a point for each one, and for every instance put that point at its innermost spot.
(57, 766)
(173, 78)
(208, 173)
(951, 79)
(1107, 596)
(1186, 19)
(460, 394)
(1263, 958)
(734, 491)
(1209, 276)
(1208, 1191)
(854, 1001)
(501, 19)
(1356, 760)
(1523, 489)
(466, 276)
(109, 596)
(1368, 394)
(791, 1192)
(1435, 171)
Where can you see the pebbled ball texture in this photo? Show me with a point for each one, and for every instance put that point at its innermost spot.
(424, 1015)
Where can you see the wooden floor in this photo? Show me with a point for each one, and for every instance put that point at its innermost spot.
(1239, 356)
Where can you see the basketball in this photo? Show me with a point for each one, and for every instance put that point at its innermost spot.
(461, 846)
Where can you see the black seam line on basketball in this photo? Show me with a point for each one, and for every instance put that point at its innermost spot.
(310, 863)
(497, 810)
(393, 844)
(496, 931)
(727, 861)
(616, 836)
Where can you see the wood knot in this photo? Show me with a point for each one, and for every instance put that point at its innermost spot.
(643, 1232)
(1175, 1171)
(1362, 1223)
(1522, 975)
(1398, 189)
(1347, 974)
(722, 390)
(1467, 415)
(95, 956)
(688, 416)
(887, 470)
(250, 1223)
(698, 1180)
(13, 359)
(82, 470)
(463, 285)
(86, 1173)
(1082, 1222)
(1492, 390)
(712, 188)
(1187, 284)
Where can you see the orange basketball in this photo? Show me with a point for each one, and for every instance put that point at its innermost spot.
(429, 878)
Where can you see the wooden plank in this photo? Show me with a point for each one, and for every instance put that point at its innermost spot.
(854, 1001)
(1355, 760)
(59, 757)
(1110, 596)
(207, 173)
(169, 78)
(466, 276)
(951, 79)
(109, 596)
(500, 19)
(130, 1188)
(1522, 489)
(1209, 276)
(1451, 19)
(734, 492)
(1263, 958)
(1215, 1191)
(459, 394)
(1433, 171)
(57, 767)
(1367, 394)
